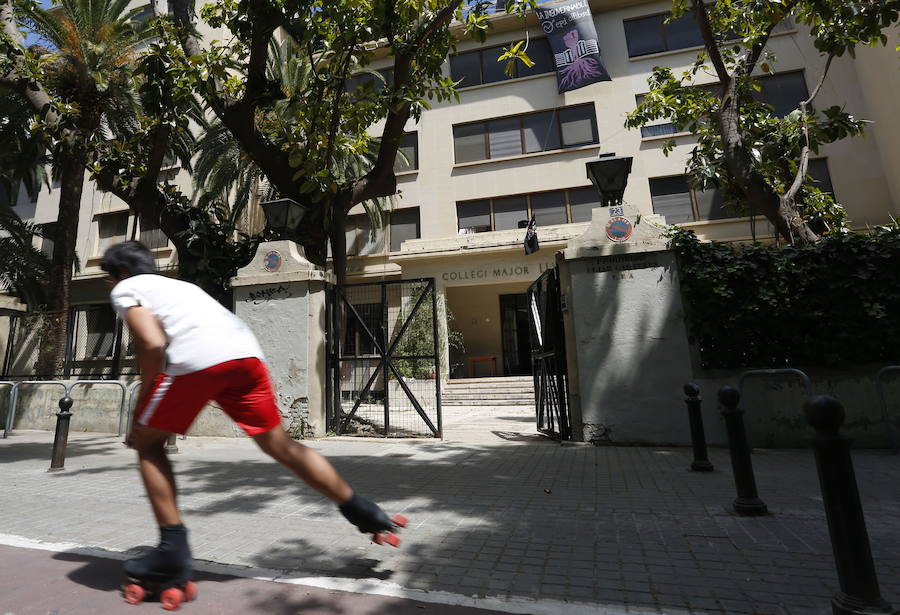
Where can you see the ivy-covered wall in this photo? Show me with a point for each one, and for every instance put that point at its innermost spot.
(834, 303)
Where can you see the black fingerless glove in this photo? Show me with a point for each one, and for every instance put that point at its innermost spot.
(366, 515)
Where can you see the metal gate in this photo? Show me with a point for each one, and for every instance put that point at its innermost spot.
(384, 371)
(548, 356)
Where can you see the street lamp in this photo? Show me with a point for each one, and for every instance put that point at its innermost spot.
(283, 216)
(610, 176)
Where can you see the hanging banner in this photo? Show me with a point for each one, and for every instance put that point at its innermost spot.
(569, 27)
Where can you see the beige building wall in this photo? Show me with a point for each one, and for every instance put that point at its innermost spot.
(864, 171)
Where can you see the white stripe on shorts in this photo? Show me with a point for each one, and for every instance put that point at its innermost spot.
(154, 402)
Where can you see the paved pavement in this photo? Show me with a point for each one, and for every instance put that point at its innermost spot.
(512, 523)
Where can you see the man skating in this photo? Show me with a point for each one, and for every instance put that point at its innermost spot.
(191, 350)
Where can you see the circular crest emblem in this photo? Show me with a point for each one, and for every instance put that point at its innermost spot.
(618, 229)
(272, 261)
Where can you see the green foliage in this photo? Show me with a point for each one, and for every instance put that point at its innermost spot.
(23, 268)
(741, 29)
(418, 339)
(217, 249)
(834, 302)
(23, 157)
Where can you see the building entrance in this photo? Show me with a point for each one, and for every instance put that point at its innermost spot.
(514, 334)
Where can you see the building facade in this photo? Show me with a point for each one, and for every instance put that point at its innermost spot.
(512, 148)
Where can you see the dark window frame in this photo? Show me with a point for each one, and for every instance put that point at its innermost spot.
(638, 97)
(692, 193)
(785, 25)
(529, 211)
(480, 53)
(385, 230)
(520, 117)
(414, 163)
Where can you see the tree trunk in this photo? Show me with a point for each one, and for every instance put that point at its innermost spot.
(761, 197)
(338, 238)
(52, 356)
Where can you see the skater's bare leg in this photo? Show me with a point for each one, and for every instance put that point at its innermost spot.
(156, 471)
(306, 463)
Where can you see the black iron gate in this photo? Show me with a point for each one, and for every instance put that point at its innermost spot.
(548, 355)
(384, 372)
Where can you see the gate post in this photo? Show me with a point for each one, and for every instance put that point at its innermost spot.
(281, 297)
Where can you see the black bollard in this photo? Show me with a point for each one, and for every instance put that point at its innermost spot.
(701, 461)
(747, 502)
(846, 523)
(171, 445)
(58, 459)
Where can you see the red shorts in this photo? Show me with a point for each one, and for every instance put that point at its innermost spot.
(241, 387)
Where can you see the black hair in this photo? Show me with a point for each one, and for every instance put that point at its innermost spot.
(130, 257)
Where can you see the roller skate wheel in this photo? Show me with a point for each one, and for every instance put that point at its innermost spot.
(134, 593)
(392, 539)
(190, 591)
(171, 598)
(400, 520)
(377, 539)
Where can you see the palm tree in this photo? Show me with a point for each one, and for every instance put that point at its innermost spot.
(96, 43)
(23, 158)
(23, 268)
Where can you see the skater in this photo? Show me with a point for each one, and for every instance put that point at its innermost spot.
(191, 350)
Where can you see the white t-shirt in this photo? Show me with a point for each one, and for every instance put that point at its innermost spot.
(201, 332)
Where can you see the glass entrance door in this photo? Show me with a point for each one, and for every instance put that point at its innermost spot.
(515, 335)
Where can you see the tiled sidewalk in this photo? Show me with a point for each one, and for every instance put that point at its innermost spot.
(560, 528)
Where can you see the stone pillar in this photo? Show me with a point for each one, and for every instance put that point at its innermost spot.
(281, 296)
(627, 345)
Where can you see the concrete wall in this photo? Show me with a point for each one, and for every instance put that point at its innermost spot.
(96, 409)
(630, 355)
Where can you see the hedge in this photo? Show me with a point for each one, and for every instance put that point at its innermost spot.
(833, 303)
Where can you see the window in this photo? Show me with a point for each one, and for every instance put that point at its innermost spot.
(409, 147)
(474, 216)
(367, 79)
(400, 225)
(361, 240)
(651, 34)
(818, 170)
(9, 194)
(534, 132)
(111, 229)
(151, 235)
(675, 200)
(513, 212)
(481, 66)
(468, 142)
(784, 92)
(356, 340)
(100, 326)
(509, 212)
(404, 225)
(646, 35)
(48, 235)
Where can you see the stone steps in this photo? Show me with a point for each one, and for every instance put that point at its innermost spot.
(501, 391)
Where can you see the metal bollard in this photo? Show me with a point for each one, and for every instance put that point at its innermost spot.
(846, 523)
(171, 445)
(58, 459)
(747, 502)
(701, 461)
